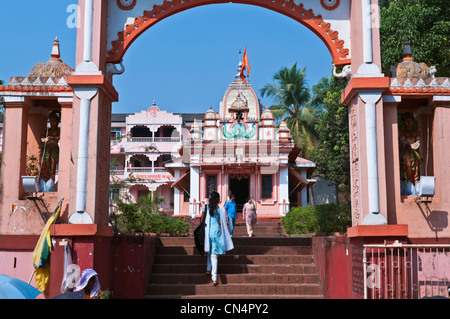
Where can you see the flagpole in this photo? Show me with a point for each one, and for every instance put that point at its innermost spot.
(32, 275)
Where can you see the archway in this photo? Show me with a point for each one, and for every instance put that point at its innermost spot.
(110, 27)
(322, 18)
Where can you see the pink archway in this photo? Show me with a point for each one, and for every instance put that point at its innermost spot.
(324, 30)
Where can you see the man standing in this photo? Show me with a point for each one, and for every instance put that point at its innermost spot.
(230, 208)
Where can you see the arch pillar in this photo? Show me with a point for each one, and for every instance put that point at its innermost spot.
(367, 163)
(14, 157)
(93, 95)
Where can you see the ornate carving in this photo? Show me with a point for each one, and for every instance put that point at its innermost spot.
(354, 165)
(289, 7)
(346, 72)
(126, 4)
(56, 69)
(330, 4)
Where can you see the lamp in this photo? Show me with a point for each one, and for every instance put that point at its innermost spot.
(426, 189)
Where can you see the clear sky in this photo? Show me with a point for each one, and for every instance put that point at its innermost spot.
(184, 63)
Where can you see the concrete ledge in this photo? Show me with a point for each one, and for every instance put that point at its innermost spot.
(18, 242)
(378, 231)
(81, 230)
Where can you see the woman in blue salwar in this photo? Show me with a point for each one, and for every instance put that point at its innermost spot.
(217, 238)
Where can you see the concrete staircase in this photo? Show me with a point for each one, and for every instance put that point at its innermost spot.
(266, 266)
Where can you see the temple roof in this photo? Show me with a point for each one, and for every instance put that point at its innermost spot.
(54, 67)
(241, 92)
(47, 77)
(412, 78)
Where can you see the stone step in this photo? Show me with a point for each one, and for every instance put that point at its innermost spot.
(254, 278)
(233, 289)
(258, 231)
(242, 241)
(235, 269)
(257, 268)
(239, 250)
(235, 259)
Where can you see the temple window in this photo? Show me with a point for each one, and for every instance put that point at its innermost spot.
(140, 131)
(266, 186)
(211, 184)
(114, 193)
(116, 133)
(186, 195)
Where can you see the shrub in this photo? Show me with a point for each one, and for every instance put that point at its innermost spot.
(300, 220)
(326, 218)
(333, 218)
(145, 217)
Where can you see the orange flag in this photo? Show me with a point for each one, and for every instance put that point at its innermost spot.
(245, 65)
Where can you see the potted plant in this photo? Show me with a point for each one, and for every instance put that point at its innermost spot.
(30, 180)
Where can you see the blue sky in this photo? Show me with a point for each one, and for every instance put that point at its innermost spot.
(184, 63)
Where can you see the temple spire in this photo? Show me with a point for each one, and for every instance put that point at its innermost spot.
(56, 54)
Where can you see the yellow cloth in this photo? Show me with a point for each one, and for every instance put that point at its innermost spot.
(41, 252)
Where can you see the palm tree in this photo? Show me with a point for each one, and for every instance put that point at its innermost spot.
(292, 97)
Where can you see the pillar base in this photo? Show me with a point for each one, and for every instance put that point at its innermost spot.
(378, 231)
(375, 219)
(80, 218)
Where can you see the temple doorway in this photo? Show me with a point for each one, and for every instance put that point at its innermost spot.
(240, 187)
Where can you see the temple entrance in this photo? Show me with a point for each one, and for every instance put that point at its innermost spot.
(108, 29)
(240, 187)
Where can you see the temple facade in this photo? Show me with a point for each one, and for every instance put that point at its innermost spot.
(239, 149)
(183, 157)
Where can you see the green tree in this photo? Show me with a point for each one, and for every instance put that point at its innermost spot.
(292, 96)
(332, 153)
(426, 23)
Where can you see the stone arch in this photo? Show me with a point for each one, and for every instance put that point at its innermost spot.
(337, 47)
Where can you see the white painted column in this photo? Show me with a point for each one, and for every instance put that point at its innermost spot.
(85, 94)
(367, 31)
(368, 68)
(374, 217)
(81, 216)
(88, 66)
(284, 190)
(194, 198)
(304, 191)
(176, 195)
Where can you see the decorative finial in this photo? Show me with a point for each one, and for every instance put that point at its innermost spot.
(407, 54)
(55, 49)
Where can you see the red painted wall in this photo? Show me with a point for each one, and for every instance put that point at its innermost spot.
(332, 261)
(132, 264)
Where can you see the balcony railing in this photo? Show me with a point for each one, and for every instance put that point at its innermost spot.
(155, 139)
(139, 170)
(147, 170)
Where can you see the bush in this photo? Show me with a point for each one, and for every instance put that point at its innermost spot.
(145, 217)
(300, 220)
(327, 218)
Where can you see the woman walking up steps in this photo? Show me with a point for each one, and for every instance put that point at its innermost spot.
(217, 237)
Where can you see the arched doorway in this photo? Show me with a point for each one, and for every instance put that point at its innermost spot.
(344, 26)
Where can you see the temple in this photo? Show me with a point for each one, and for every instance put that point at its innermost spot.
(183, 157)
(64, 152)
(238, 149)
